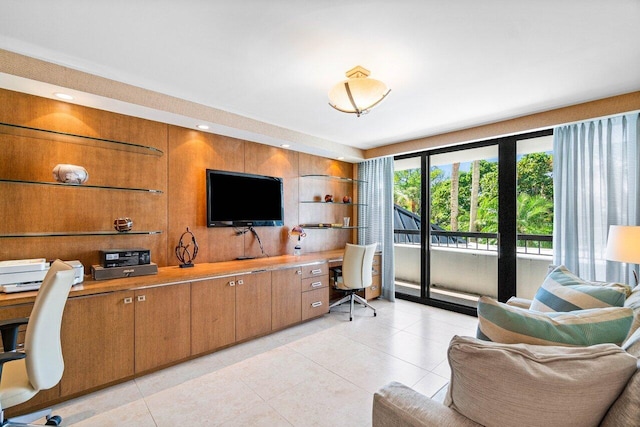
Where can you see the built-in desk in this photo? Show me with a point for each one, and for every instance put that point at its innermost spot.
(115, 330)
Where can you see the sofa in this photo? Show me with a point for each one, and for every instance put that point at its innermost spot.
(507, 376)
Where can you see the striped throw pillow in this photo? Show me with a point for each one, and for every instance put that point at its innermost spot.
(564, 291)
(502, 323)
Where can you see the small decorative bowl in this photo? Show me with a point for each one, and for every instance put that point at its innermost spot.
(123, 224)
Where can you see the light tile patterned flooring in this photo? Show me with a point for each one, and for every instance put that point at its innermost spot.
(321, 373)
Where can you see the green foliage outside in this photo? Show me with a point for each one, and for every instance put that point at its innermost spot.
(535, 195)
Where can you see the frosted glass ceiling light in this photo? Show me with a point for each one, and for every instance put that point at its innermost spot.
(358, 94)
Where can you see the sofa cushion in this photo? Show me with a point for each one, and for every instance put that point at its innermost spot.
(625, 411)
(633, 302)
(396, 405)
(564, 291)
(498, 384)
(632, 344)
(506, 324)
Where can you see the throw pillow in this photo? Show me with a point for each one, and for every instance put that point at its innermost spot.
(564, 291)
(502, 385)
(506, 324)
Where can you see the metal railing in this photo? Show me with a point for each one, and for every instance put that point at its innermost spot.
(537, 244)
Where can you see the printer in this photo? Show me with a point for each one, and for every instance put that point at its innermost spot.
(27, 274)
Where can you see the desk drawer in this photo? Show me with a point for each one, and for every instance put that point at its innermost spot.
(315, 303)
(314, 270)
(315, 283)
(377, 265)
(373, 291)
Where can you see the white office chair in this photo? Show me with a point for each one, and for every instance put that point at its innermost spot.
(355, 275)
(40, 366)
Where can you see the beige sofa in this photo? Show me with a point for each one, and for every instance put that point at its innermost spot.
(516, 384)
(396, 405)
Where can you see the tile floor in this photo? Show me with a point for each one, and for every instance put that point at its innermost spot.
(321, 373)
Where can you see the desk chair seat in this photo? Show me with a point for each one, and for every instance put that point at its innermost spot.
(355, 275)
(40, 365)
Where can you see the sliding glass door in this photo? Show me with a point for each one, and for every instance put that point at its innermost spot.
(463, 221)
(459, 221)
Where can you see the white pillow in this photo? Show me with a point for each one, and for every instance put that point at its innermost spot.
(506, 385)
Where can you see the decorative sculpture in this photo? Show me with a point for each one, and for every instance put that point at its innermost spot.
(184, 255)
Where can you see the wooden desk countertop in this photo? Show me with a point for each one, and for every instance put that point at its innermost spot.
(174, 274)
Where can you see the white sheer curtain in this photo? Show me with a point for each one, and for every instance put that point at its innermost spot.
(377, 215)
(596, 184)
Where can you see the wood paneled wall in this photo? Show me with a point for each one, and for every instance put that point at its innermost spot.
(179, 174)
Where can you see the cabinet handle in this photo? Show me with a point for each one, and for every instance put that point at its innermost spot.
(299, 272)
(316, 271)
(128, 300)
(240, 282)
(232, 283)
(316, 284)
(316, 304)
(373, 288)
(142, 298)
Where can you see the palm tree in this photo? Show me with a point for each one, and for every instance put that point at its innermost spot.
(535, 214)
(455, 188)
(475, 189)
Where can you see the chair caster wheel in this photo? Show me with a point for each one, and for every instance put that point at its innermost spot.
(375, 314)
(350, 319)
(54, 420)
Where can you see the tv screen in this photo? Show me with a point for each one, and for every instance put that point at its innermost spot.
(237, 199)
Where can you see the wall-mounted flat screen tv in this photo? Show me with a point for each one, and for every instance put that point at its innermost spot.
(237, 199)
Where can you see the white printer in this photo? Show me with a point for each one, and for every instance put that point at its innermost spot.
(27, 274)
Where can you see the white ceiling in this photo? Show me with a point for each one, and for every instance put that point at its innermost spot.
(450, 64)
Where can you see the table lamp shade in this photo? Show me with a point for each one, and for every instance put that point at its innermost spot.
(623, 244)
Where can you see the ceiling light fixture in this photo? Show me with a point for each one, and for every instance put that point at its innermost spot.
(358, 94)
(202, 127)
(285, 145)
(63, 96)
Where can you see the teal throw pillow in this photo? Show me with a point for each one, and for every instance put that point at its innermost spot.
(564, 291)
(500, 322)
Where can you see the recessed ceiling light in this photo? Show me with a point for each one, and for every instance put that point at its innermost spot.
(63, 96)
(340, 158)
(203, 127)
(285, 145)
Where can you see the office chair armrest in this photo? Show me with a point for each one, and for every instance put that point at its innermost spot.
(9, 331)
(337, 272)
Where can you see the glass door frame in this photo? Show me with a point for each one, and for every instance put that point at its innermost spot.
(507, 217)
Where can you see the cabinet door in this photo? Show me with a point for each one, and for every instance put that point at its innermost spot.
(286, 301)
(97, 341)
(253, 305)
(213, 314)
(163, 322)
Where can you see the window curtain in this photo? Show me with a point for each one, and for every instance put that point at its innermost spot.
(376, 194)
(596, 184)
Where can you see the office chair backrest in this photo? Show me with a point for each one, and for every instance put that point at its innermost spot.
(356, 265)
(42, 341)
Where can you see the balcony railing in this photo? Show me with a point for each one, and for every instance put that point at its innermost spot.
(537, 244)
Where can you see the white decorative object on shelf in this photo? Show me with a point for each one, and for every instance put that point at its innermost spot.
(70, 174)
